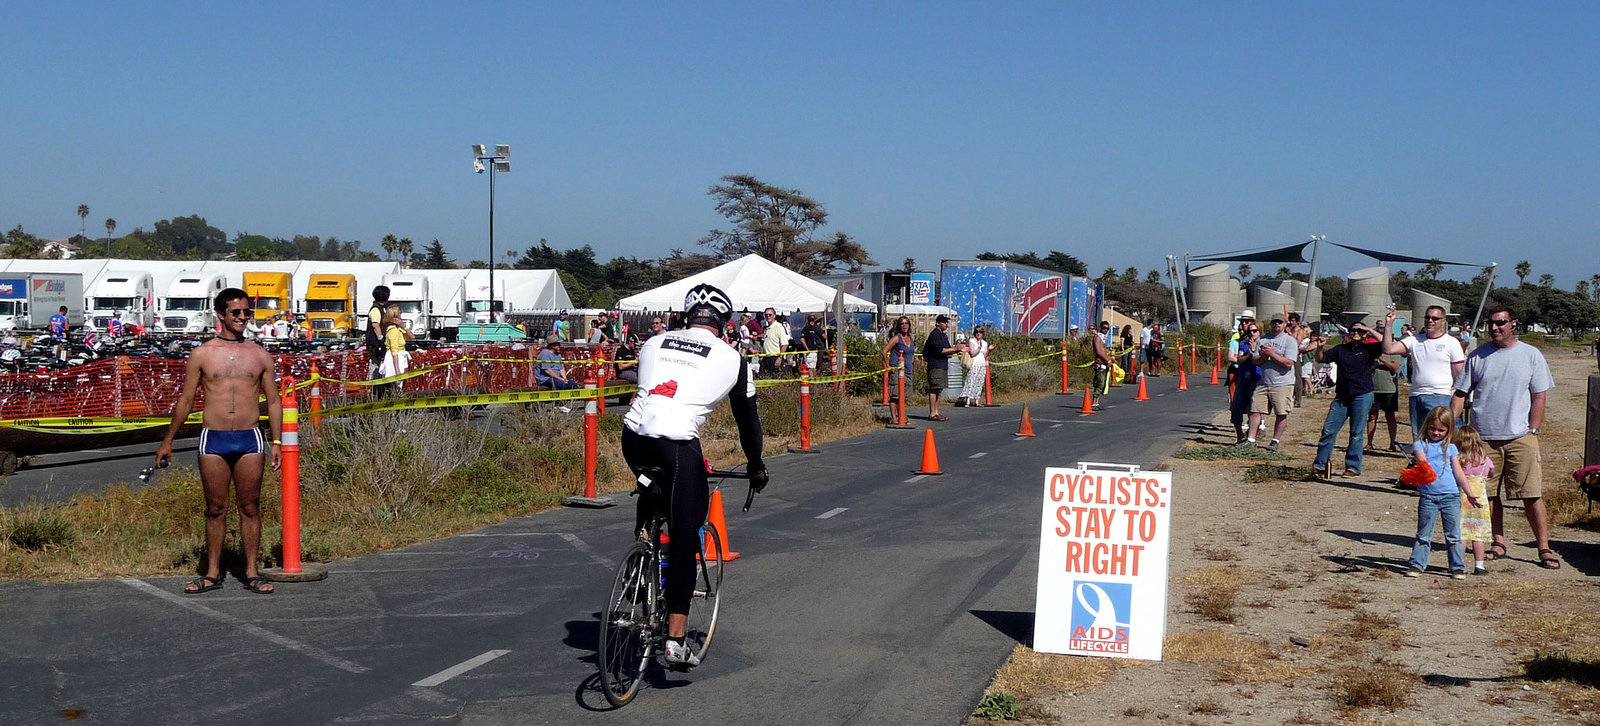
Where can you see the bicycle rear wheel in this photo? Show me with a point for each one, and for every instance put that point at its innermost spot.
(707, 594)
(626, 634)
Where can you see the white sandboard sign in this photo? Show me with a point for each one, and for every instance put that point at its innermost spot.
(1103, 546)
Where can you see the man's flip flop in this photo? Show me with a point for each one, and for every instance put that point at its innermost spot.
(1547, 560)
(203, 583)
(258, 585)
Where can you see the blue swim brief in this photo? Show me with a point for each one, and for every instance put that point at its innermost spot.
(230, 445)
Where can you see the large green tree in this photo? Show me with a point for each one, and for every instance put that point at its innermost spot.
(1057, 261)
(780, 225)
(190, 236)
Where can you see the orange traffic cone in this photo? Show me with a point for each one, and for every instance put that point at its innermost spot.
(1214, 376)
(930, 456)
(1142, 395)
(717, 522)
(1183, 381)
(1027, 423)
(1088, 403)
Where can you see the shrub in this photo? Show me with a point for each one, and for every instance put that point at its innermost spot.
(40, 528)
(997, 707)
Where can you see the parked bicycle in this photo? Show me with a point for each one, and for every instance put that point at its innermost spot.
(633, 623)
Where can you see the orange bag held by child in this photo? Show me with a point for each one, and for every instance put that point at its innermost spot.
(1418, 474)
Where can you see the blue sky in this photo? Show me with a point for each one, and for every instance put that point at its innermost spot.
(1118, 132)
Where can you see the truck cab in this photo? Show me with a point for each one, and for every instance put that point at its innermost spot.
(330, 305)
(29, 299)
(473, 303)
(269, 294)
(187, 308)
(130, 293)
(410, 293)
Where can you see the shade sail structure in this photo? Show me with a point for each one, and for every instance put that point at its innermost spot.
(1382, 256)
(754, 283)
(1292, 253)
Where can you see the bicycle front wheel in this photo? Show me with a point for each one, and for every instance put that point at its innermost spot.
(707, 593)
(626, 634)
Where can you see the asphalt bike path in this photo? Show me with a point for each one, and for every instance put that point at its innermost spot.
(865, 594)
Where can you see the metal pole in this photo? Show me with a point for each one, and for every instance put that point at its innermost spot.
(1311, 280)
(1484, 300)
(491, 241)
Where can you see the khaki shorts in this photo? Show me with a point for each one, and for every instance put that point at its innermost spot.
(1516, 467)
(937, 378)
(1276, 400)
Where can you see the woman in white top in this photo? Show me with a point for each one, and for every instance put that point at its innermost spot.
(972, 389)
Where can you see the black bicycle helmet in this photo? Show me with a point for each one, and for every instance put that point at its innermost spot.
(707, 305)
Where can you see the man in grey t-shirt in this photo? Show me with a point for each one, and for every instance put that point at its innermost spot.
(1275, 395)
(1507, 382)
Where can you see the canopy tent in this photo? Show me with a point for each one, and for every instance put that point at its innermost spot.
(754, 283)
(1295, 253)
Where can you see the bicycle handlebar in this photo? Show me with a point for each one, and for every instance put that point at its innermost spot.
(749, 497)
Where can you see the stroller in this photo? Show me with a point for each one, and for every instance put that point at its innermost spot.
(1322, 379)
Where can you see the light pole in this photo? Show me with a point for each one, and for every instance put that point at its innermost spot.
(498, 161)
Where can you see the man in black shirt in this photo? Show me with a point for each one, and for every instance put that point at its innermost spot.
(936, 351)
(1352, 398)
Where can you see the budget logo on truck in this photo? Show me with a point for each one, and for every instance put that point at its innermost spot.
(1100, 613)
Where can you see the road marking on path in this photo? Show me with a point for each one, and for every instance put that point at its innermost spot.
(979, 455)
(1055, 426)
(830, 514)
(305, 649)
(459, 668)
(584, 547)
(916, 479)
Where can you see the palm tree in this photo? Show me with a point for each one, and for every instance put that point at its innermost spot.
(1594, 287)
(390, 244)
(1582, 288)
(1284, 273)
(83, 213)
(111, 226)
(1523, 269)
(1244, 273)
(1547, 280)
(1431, 270)
(404, 247)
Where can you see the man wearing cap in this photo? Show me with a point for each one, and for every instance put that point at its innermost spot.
(1275, 395)
(563, 329)
(812, 339)
(936, 351)
(1352, 399)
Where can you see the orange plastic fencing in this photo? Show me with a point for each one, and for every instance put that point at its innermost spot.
(126, 386)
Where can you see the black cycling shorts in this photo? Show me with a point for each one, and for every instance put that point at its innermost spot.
(682, 491)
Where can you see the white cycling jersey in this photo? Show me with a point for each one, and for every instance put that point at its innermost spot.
(683, 374)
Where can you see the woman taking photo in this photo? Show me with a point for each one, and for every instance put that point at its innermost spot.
(977, 370)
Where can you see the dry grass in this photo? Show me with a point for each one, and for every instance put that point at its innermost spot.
(1233, 658)
(1213, 592)
(1031, 675)
(1380, 684)
(1346, 599)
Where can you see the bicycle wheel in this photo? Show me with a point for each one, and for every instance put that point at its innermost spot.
(707, 594)
(626, 636)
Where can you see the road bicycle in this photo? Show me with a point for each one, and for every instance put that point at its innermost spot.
(633, 623)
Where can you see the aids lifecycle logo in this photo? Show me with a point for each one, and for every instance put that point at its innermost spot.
(1100, 613)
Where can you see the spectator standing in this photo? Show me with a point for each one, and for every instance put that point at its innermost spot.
(1508, 381)
(936, 351)
(1439, 499)
(1352, 399)
(115, 327)
(812, 340)
(656, 328)
(1157, 352)
(1242, 411)
(375, 330)
(1275, 394)
(1436, 362)
(978, 349)
(897, 350)
(1385, 400)
(597, 331)
(395, 358)
(1130, 352)
(774, 340)
(1144, 349)
(280, 327)
(562, 329)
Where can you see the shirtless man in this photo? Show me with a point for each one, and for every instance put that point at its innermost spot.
(235, 373)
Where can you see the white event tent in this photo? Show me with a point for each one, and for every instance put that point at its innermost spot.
(754, 283)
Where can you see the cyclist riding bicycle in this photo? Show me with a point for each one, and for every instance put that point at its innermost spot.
(682, 375)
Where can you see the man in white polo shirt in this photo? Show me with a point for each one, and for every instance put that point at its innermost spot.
(1436, 360)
